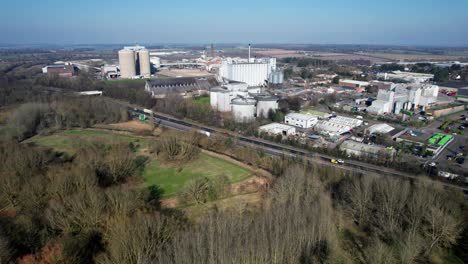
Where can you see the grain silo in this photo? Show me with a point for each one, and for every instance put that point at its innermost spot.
(265, 103)
(243, 109)
(144, 59)
(127, 63)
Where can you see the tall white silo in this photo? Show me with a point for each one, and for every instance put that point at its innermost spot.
(144, 59)
(127, 63)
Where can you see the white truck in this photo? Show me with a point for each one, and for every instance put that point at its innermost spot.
(148, 111)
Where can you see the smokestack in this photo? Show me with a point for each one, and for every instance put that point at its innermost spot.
(249, 52)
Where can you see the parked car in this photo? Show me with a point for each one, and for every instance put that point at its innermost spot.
(461, 160)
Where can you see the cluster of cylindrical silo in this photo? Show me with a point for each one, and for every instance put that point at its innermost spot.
(134, 61)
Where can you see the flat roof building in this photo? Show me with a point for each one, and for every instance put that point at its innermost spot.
(278, 129)
(300, 120)
(354, 148)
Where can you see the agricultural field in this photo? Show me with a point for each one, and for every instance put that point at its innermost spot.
(415, 57)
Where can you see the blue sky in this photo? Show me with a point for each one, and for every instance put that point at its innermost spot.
(400, 22)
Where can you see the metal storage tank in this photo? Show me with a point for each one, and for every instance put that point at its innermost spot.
(127, 63)
(145, 69)
(224, 101)
(276, 77)
(243, 109)
(265, 104)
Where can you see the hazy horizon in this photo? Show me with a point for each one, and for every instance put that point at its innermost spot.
(335, 22)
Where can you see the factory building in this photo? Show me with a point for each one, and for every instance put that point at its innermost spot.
(384, 102)
(354, 148)
(412, 77)
(405, 97)
(134, 62)
(301, 120)
(186, 87)
(331, 129)
(346, 121)
(380, 129)
(225, 97)
(65, 70)
(358, 86)
(278, 129)
(253, 71)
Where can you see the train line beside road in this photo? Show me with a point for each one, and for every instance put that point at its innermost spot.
(272, 148)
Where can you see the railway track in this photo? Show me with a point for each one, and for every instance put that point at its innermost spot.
(278, 149)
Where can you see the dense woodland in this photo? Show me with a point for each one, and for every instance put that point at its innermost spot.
(85, 208)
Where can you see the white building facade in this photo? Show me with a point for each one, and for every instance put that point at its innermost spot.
(300, 120)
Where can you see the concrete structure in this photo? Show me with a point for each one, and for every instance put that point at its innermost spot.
(255, 72)
(221, 98)
(127, 64)
(354, 148)
(156, 61)
(186, 87)
(278, 129)
(144, 60)
(384, 102)
(301, 120)
(415, 96)
(265, 104)
(65, 70)
(110, 71)
(243, 109)
(412, 77)
(134, 61)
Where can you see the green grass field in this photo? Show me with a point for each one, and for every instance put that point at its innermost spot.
(171, 179)
(168, 177)
(203, 100)
(69, 140)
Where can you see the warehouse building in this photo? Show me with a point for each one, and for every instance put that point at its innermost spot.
(278, 129)
(186, 87)
(412, 77)
(380, 129)
(65, 70)
(331, 129)
(346, 121)
(353, 148)
(301, 120)
(358, 86)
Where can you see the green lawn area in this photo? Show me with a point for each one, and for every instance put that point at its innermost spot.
(202, 99)
(171, 179)
(69, 140)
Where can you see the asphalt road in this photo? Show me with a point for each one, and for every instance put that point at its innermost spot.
(279, 149)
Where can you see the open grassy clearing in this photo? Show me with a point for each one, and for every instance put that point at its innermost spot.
(172, 178)
(202, 100)
(70, 140)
